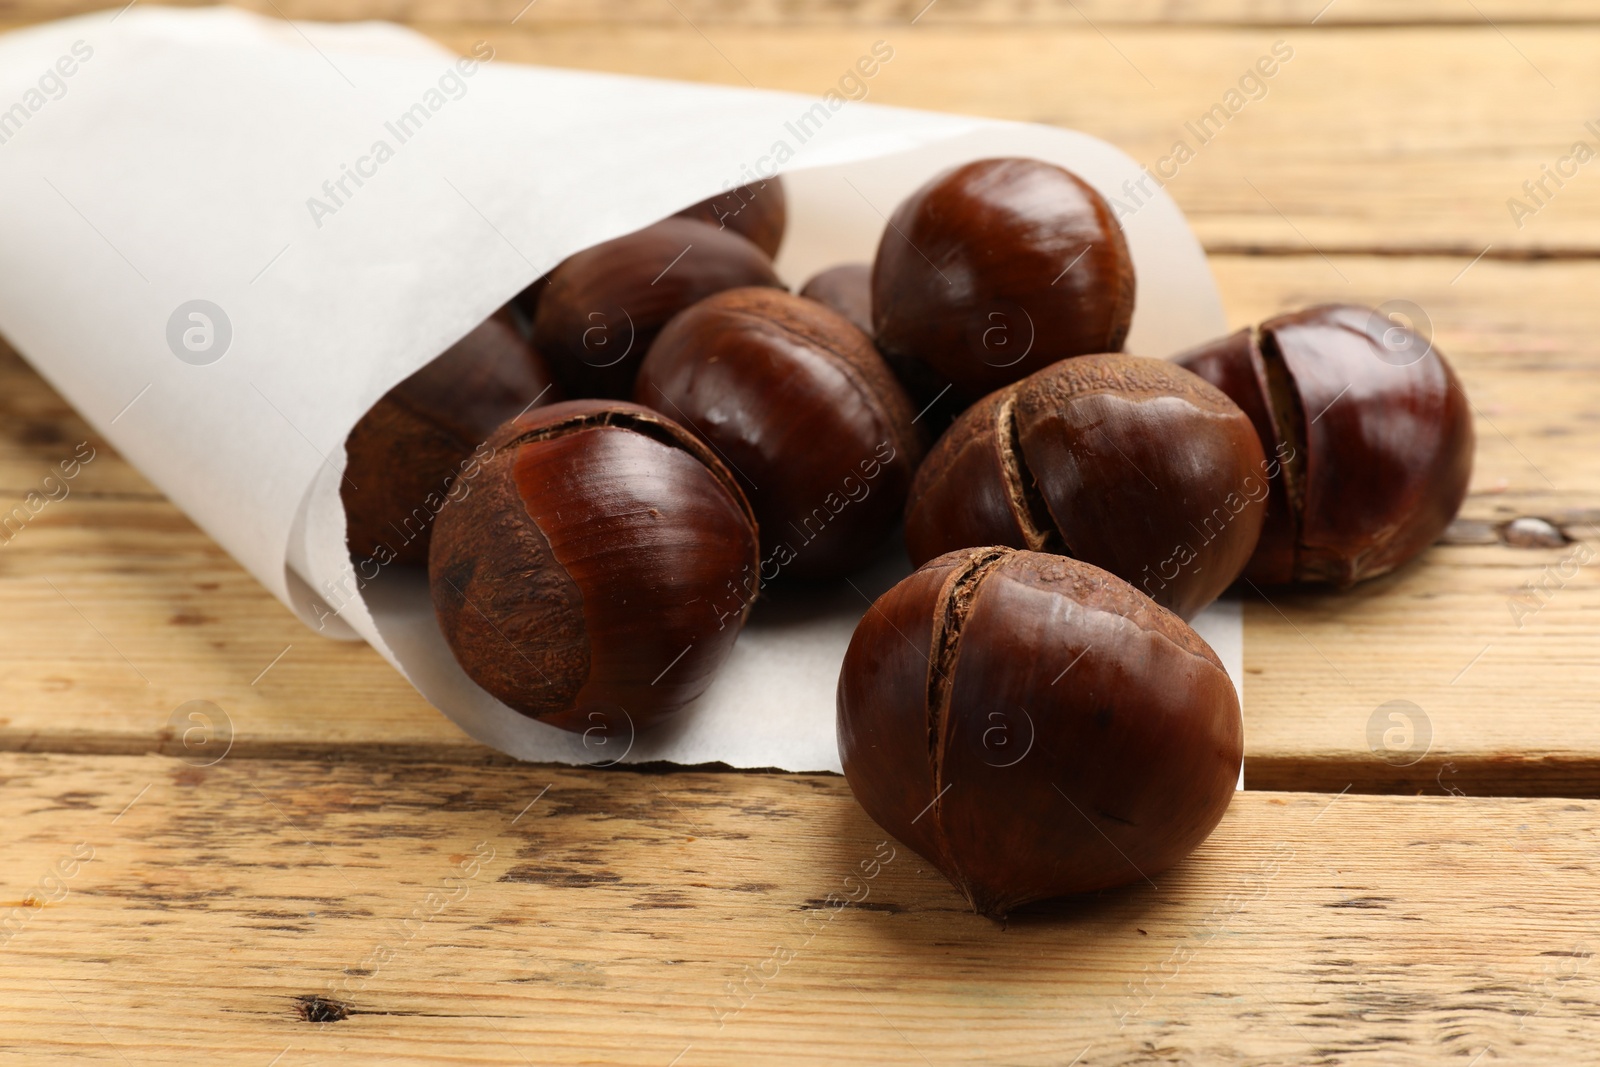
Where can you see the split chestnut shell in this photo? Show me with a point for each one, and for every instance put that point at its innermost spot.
(1373, 431)
(581, 576)
(1035, 727)
(1131, 464)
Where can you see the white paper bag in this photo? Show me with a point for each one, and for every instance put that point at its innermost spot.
(223, 237)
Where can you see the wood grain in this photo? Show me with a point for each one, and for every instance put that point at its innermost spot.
(1410, 139)
(532, 915)
(1372, 138)
(1078, 13)
(122, 611)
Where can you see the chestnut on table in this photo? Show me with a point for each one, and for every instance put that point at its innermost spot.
(1374, 430)
(1034, 727)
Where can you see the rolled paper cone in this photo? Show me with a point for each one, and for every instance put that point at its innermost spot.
(227, 237)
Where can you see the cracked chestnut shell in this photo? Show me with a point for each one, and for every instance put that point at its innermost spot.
(846, 289)
(1035, 727)
(758, 212)
(1131, 464)
(1372, 430)
(603, 307)
(804, 411)
(996, 269)
(578, 580)
(416, 438)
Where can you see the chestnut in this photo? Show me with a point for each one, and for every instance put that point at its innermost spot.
(997, 268)
(806, 414)
(758, 212)
(603, 307)
(1132, 464)
(577, 581)
(846, 289)
(1373, 431)
(1034, 726)
(404, 452)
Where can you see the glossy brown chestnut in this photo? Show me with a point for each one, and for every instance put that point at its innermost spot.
(758, 212)
(1131, 464)
(846, 289)
(1035, 727)
(604, 306)
(996, 269)
(803, 409)
(578, 581)
(404, 452)
(1373, 430)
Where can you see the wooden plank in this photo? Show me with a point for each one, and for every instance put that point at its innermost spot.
(893, 12)
(1503, 677)
(536, 915)
(122, 611)
(1368, 139)
(1388, 139)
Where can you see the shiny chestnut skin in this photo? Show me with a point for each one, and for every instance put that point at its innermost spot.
(846, 289)
(803, 409)
(1132, 464)
(758, 212)
(996, 269)
(576, 581)
(1035, 727)
(603, 307)
(1373, 430)
(404, 452)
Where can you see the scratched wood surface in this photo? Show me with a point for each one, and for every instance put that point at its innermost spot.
(124, 611)
(335, 870)
(527, 915)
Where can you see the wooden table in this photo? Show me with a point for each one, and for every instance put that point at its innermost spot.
(356, 877)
